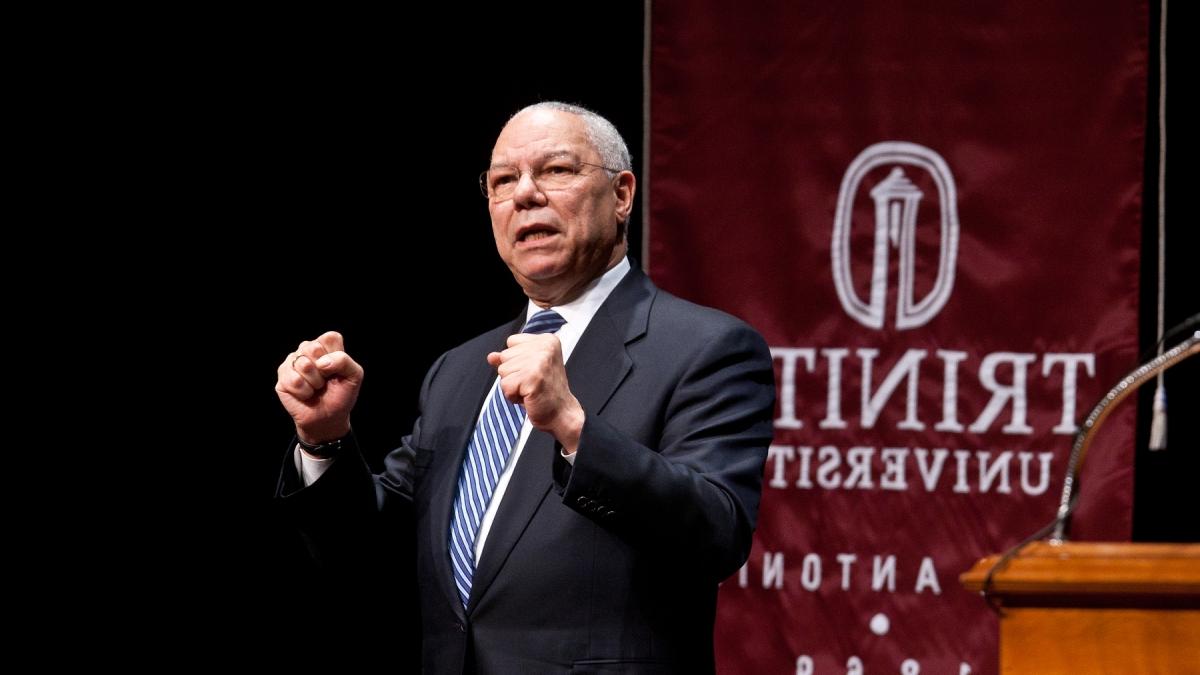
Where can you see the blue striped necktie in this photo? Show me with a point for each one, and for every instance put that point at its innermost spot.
(488, 451)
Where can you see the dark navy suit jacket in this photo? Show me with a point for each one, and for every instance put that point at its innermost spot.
(610, 565)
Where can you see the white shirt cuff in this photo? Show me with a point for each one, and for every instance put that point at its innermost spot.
(310, 468)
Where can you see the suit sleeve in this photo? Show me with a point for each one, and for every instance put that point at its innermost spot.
(697, 493)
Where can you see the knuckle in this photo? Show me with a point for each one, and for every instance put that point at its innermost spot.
(311, 348)
(331, 340)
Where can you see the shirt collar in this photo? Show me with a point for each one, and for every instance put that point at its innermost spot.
(579, 312)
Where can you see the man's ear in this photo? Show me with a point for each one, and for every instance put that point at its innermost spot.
(624, 187)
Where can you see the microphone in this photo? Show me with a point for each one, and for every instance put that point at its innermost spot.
(1087, 430)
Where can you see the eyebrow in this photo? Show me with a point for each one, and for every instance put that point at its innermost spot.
(546, 157)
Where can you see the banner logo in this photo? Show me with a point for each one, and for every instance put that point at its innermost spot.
(897, 200)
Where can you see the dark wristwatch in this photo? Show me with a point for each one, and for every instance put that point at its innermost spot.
(323, 450)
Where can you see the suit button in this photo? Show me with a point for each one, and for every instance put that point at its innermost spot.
(582, 501)
(461, 628)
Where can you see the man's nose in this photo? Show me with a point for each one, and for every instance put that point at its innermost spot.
(528, 193)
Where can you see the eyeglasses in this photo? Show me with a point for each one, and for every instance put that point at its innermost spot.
(499, 184)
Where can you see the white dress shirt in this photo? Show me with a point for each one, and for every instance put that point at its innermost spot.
(578, 313)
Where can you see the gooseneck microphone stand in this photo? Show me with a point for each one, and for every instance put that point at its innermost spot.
(1087, 431)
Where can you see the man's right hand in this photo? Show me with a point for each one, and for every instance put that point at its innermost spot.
(318, 385)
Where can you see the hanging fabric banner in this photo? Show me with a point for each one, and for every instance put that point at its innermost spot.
(933, 215)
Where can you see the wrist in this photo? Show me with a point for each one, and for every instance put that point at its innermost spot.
(570, 430)
(323, 449)
(323, 433)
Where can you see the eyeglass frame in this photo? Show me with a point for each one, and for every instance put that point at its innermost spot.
(484, 188)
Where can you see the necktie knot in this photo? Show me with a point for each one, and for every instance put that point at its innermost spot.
(545, 321)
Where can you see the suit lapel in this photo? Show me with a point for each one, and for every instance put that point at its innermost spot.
(600, 361)
(596, 368)
(473, 384)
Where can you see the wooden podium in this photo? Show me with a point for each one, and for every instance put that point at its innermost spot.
(1096, 608)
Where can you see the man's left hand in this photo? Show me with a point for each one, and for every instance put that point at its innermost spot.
(532, 374)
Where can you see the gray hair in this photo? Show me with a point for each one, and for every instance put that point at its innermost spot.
(601, 133)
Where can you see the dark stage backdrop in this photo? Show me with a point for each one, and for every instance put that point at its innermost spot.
(336, 162)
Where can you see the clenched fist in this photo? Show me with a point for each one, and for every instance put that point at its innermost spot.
(532, 374)
(318, 385)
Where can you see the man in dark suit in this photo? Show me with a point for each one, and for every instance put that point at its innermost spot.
(580, 487)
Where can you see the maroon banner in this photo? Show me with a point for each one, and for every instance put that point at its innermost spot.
(933, 215)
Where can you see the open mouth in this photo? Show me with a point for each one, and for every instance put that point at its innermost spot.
(535, 233)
